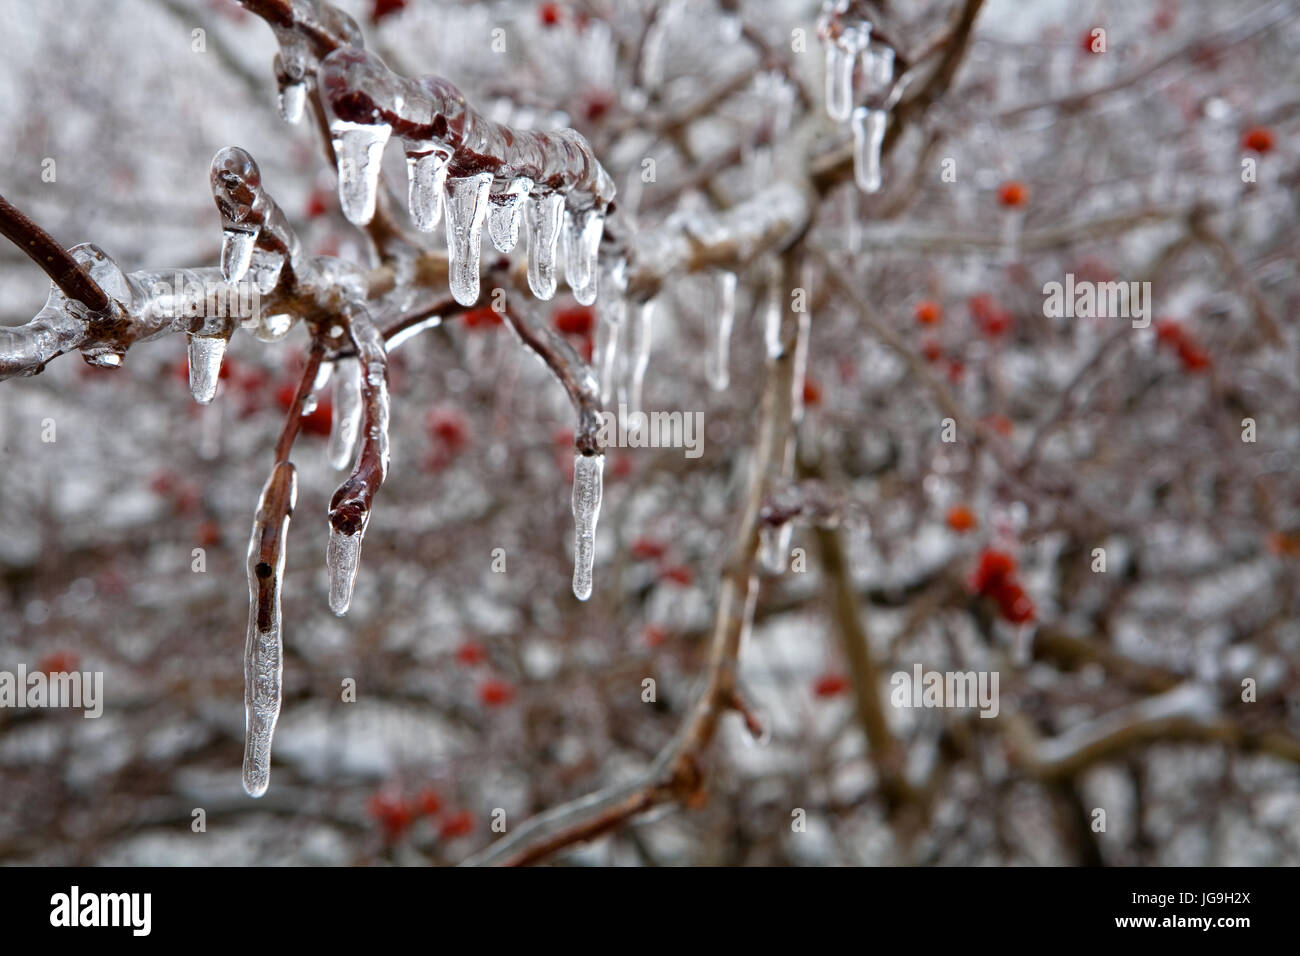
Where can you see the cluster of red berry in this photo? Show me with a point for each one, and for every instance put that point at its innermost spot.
(650, 549)
(396, 813)
(995, 577)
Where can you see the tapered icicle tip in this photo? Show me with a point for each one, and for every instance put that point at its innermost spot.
(360, 152)
(205, 355)
(544, 215)
(588, 480)
(342, 557)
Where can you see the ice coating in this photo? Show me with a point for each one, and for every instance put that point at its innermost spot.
(366, 102)
(505, 209)
(236, 252)
(205, 355)
(264, 649)
(724, 317)
(583, 228)
(342, 558)
(426, 178)
(543, 215)
(800, 370)
(868, 136)
(360, 151)
(845, 36)
(588, 477)
(467, 201)
(349, 513)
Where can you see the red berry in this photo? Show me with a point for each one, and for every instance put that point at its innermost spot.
(391, 812)
(495, 693)
(57, 662)
(647, 549)
(1013, 194)
(383, 8)
(319, 419)
(486, 317)
(575, 320)
(1168, 332)
(1000, 424)
(549, 14)
(812, 392)
(209, 533)
(1193, 357)
(678, 574)
(428, 802)
(828, 685)
(928, 312)
(317, 205)
(994, 568)
(654, 636)
(470, 654)
(961, 519)
(1014, 603)
(456, 825)
(1258, 139)
(448, 426)
(931, 350)
(596, 104)
(1087, 41)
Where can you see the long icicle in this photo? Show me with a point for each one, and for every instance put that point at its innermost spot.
(264, 649)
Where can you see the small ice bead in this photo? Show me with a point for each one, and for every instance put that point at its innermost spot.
(505, 209)
(580, 268)
(544, 215)
(426, 176)
(359, 148)
(775, 545)
(236, 251)
(868, 137)
(466, 210)
(205, 355)
(588, 476)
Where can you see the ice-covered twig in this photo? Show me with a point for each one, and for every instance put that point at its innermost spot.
(254, 230)
(482, 168)
(349, 512)
(571, 371)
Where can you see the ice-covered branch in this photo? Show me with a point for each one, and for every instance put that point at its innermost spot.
(350, 506)
(481, 170)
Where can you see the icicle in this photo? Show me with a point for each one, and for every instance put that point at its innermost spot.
(347, 413)
(342, 558)
(205, 355)
(264, 267)
(466, 209)
(583, 231)
(772, 323)
(543, 216)
(868, 136)
(638, 350)
(505, 208)
(839, 81)
(263, 652)
(360, 151)
(725, 312)
(236, 251)
(588, 473)
(426, 177)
